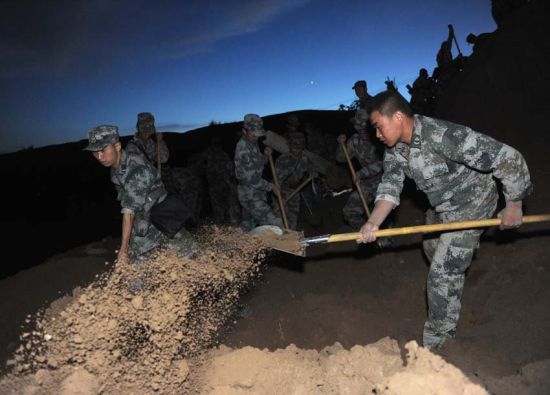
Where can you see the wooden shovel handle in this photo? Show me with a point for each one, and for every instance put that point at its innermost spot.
(354, 176)
(278, 192)
(407, 230)
(298, 189)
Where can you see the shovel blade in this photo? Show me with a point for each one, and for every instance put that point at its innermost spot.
(286, 240)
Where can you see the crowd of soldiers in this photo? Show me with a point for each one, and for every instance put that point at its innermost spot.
(452, 164)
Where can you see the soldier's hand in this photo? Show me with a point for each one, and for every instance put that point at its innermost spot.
(451, 29)
(367, 233)
(268, 151)
(159, 136)
(314, 174)
(122, 256)
(356, 179)
(342, 139)
(511, 216)
(275, 189)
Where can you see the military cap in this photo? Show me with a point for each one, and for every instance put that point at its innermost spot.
(362, 83)
(146, 122)
(254, 123)
(297, 140)
(101, 136)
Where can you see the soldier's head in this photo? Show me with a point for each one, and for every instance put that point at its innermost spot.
(104, 143)
(145, 125)
(292, 123)
(360, 88)
(253, 127)
(392, 117)
(423, 73)
(296, 143)
(360, 122)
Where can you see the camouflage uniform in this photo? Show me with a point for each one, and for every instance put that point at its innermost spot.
(252, 188)
(454, 166)
(291, 171)
(361, 147)
(138, 188)
(146, 124)
(362, 102)
(222, 186)
(149, 148)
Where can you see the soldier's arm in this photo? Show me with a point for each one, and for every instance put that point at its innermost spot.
(127, 224)
(391, 185)
(164, 152)
(485, 154)
(382, 209)
(140, 176)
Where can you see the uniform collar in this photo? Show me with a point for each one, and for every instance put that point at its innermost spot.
(416, 138)
(122, 168)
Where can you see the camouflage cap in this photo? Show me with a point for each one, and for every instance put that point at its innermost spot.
(255, 124)
(361, 118)
(297, 140)
(101, 136)
(146, 122)
(362, 83)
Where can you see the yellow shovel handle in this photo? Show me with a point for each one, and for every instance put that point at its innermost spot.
(407, 230)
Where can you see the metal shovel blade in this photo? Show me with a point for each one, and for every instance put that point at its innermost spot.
(286, 240)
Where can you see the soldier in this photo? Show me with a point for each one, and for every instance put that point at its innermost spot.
(222, 185)
(454, 166)
(139, 188)
(292, 168)
(445, 67)
(252, 188)
(292, 124)
(360, 88)
(147, 138)
(360, 146)
(422, 93)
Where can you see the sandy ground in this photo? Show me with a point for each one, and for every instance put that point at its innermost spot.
(346, 319)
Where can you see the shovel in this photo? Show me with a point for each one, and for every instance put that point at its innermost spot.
(291, 242)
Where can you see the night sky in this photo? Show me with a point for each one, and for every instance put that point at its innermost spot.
(66, 66)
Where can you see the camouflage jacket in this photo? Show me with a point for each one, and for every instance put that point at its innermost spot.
(365, 152)
(149, 147)
(291, 170)
(249, 166)
(137, 183)
(453, 165)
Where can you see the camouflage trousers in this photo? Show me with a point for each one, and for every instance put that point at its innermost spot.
(353, 211)
(255, 210)
(145, 237)
(450, 254)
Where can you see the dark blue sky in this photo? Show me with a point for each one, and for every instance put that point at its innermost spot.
(66, 66)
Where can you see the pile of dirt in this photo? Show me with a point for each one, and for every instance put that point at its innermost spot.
(373, 369)
(116, 337)
(377, 368)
